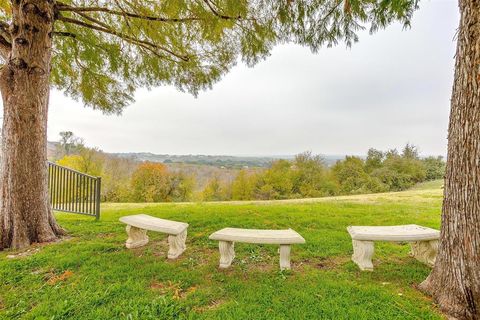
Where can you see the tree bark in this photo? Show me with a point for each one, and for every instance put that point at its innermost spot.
(455, 280)
(25, 213)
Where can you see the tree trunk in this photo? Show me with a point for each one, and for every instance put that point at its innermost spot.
(455, 280)
(25, 214)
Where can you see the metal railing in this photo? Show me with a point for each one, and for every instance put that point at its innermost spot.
(73, 191)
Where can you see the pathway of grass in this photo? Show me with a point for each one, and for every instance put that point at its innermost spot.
(92, 275)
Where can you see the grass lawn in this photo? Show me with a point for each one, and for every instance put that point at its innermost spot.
(92, 275)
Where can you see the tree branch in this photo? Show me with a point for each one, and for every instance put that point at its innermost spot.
(218, 14)
(100, 26)
(152, 47)
(142, 43)
(64, 34)
(65, 7)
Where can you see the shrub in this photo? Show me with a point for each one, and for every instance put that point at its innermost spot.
(434, 168)
(151, 182)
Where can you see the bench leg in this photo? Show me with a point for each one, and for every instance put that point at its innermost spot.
(285, 256)
(136, 237)
(425, 251)
(176, 244)
(362, 254)
(227, 253)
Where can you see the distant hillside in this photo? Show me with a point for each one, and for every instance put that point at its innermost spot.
(217, 161)
(204, 173)
(231, 162)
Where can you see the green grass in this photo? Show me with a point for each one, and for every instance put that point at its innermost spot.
(92, 275)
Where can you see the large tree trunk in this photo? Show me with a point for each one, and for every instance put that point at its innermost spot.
(455, 280)
(25, 214)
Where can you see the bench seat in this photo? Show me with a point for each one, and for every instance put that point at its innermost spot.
(424, 242)
(228, 236)
(258, 236)
(410, 232)
(139, 224)
(144, 221)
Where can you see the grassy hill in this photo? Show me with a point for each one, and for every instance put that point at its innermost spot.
(91, 275)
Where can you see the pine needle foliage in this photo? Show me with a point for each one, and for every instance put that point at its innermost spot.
(104, 50)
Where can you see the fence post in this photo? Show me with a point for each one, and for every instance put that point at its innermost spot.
(97, 210)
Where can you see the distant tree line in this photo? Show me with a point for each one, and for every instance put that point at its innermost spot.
(306, 176)
(123, 179)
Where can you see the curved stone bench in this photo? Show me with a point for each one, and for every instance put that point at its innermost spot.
(228, 236)
(424, 242)
(137, 226)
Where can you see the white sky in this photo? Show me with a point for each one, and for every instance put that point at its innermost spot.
(391, 88)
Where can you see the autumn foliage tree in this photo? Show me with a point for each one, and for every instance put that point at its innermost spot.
(152, 182)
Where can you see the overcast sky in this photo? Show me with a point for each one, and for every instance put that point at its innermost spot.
(391, 88)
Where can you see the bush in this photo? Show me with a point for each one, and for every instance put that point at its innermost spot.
(215, 190)
(243, 187)
(434, 168)
(151, 182)
(351, 176)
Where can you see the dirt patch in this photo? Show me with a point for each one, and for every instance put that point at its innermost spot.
(263, 267)
(172, 288)
(324, 263)
(23, 254)
(195, 257)
(54, 279)
(35, 248)
(156, 247)
(214, 304)
(106, 235)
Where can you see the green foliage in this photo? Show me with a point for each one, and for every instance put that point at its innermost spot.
(276, 182)
(352, 177)
(307, 176)
(216, 190)
(434, 168)
(104, 50)
(93, 276)
(410, 151)
(374, 159)
(400, 172)
(86, 160)
(243, 187)
(181, 186)
(310, 177)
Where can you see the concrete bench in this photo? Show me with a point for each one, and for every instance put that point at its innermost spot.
(137, 226)
(228, 236)
(424, 242)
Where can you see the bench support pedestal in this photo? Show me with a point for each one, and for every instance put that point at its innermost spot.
(227, 253)
(285, 256)
(425, 251)
(362, 254)
(176, 244)
(136, 237)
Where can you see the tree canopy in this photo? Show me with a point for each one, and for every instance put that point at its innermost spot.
(104, 50)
